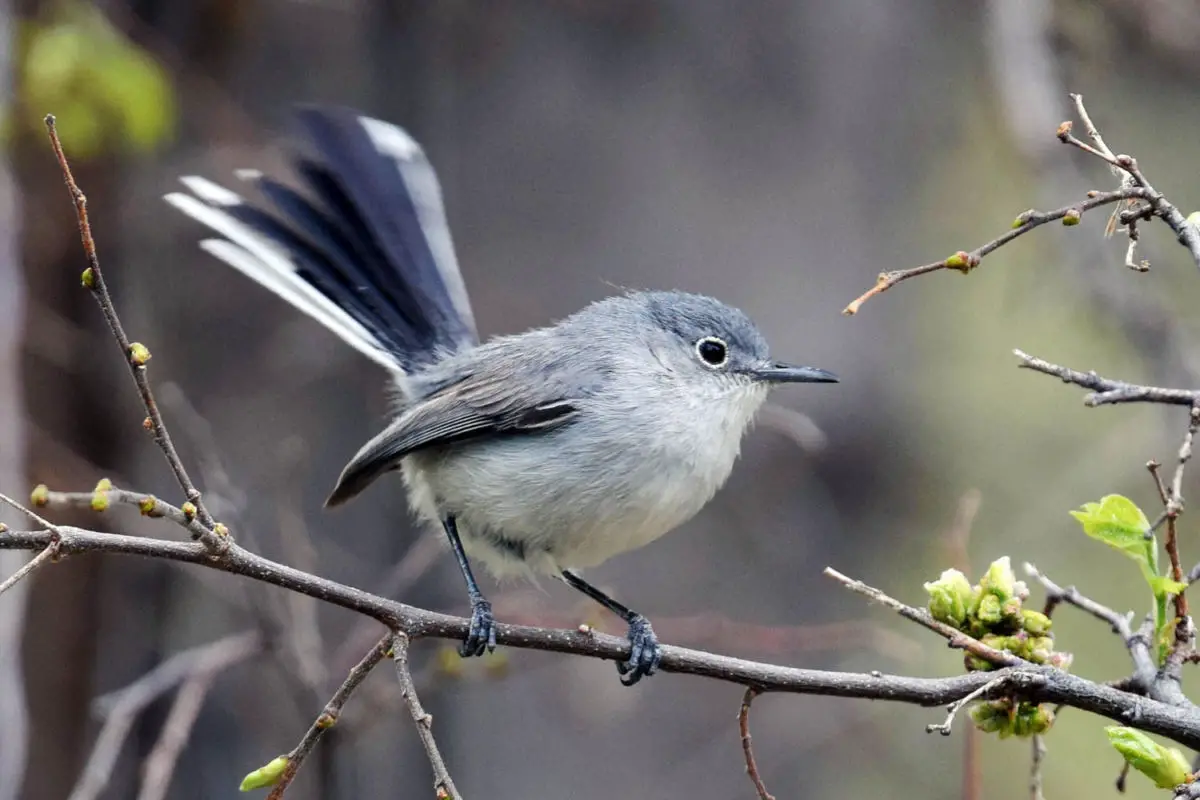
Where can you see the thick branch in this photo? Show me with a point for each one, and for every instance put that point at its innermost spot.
(1039, 684)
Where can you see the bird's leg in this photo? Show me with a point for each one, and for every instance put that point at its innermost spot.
(482, 635)
(644, 652)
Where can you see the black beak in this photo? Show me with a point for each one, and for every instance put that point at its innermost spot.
(786, 373)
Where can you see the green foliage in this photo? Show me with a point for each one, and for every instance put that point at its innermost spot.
(1119, 523)
(104, 90)
(992, 612)
(1166, 766)
(265, 776)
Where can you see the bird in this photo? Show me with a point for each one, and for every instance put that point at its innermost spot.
(545, 452)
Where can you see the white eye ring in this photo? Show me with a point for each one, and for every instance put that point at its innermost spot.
(712, 351)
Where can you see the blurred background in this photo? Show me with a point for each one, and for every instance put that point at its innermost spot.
(775, 154)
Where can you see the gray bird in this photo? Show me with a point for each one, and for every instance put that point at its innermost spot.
(540, 453)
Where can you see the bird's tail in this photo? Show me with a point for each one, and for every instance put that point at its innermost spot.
(365, 249)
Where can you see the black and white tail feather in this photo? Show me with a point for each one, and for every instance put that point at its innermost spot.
(365, 249)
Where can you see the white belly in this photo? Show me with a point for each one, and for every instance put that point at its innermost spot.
(519, 512)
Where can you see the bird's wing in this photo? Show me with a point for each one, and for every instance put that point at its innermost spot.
(492, 400)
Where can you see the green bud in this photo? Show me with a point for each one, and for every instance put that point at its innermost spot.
(326, 721)
(40, 495)
(999, 580)
(950, 597)
(1010, 609)
(189, 510)
(962, 261)
(266, 775)
(1030, 719)
(993, 716)
(148, 505)
(88, 278)
(1039, 649)
(1060, 660)
(220, 529)
(1073, 216)
(1194, 218)
(99, 501)
(1166, 766)
(973, 663)
(1035, 622)
(139, 354)
(989, 610)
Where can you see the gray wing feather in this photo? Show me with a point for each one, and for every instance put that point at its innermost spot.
(494, 401)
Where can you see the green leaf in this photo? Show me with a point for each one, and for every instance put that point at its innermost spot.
(1166, 766)
(1119, 523)
(266, 775)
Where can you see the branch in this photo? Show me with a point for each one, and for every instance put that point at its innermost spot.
(965, 262)
(748, 749)
(48, 554)
(1038, 684)
(954, 637)
(121, 708)
(1138, 645)
(442, 782)
(328, 716)
(1106, 391)
(135, 354)
(160, 764)
(1134, 187)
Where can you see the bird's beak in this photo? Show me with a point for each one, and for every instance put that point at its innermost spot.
(777, 372)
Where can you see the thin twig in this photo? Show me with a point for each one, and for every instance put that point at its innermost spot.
(954, 637)
(1138, 645)
(957, 539)
(748, 748)
(1185, 232)
(147, 504)
(329, 715)
(1035, 767)
(94, 280)
(160, 764)
(944, 728)
(121, 708)
(1106, 391)
(41, 558)
(966, 261)
(442, 782)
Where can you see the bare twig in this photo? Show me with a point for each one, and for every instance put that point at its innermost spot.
(954, 637)
(944, 728)
(1145, 669)
(748, 748)
(329, 715)
(442, 782)
(94, 281)
(966, 261)
(1106, 391)
(1185, 232)
(160, 764)
(121, 708)
(1038, 757)
(1135, 189)
(147, 504)
(30, 565)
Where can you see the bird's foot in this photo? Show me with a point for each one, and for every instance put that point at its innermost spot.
(644, 653)
(482, 635)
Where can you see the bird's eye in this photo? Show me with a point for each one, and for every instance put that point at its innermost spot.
(712, 351)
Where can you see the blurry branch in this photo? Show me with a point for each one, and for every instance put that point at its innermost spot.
(329, 715)
(121, 708)
(1139, 201)
(747, 747)
(1106, 391)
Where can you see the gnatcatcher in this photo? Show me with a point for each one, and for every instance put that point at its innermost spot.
(545, 452)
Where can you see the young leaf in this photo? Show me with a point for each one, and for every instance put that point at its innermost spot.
(1166, 766)
(1162, 585)
(266, 775)
(1120, 524)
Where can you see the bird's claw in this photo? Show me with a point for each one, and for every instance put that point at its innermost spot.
(644, 652)
(482, 635)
